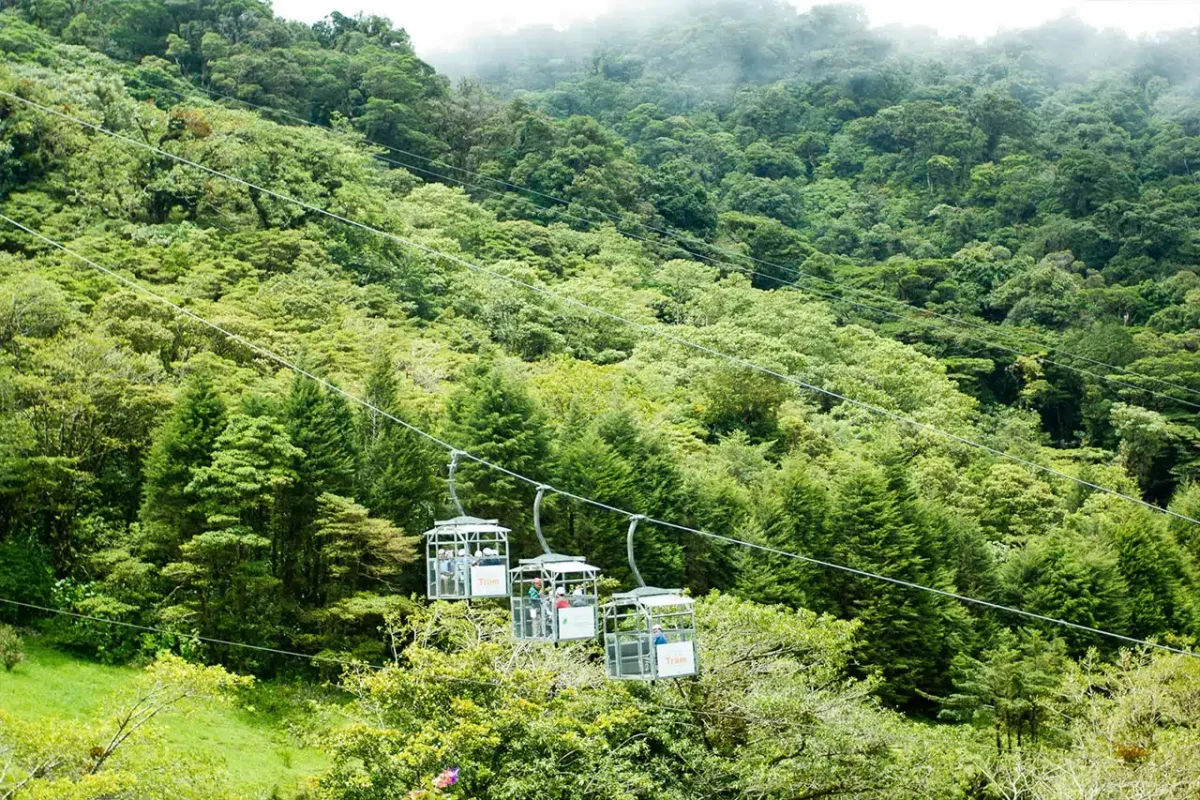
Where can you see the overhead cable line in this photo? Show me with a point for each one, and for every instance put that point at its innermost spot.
(795, 285)
(194, 636)
(687, 244)
(650, 329)
(281, 360)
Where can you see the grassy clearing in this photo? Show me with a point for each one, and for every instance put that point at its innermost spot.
(258, 756)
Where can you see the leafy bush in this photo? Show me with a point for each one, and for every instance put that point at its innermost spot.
(12, 652)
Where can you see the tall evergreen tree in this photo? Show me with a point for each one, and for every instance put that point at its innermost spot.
(252, 467)
(590, 467)
(494, 417)
(398, 472)
(657, 491)
(225, 585)
(1187, 502)
(905, 631)
(320, 424)
(359, 552)
(1072, 577)
(171, 514)
(1162, 587)
(1011, 687)
(791, 515)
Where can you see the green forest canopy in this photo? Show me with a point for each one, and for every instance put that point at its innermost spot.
(159, 474)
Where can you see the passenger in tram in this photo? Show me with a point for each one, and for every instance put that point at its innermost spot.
(534, 593)
(546, 617)
(658, 635)
(560, 598)
(462, 567)
(577, 598)
(490, 557)
(445, 570)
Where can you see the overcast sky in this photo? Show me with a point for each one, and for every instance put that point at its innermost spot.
(438, 25)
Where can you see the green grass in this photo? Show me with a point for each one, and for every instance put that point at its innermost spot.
(257, 755)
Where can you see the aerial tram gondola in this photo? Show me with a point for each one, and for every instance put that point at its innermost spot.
(554, 597)
(649, 633)
(466, 557)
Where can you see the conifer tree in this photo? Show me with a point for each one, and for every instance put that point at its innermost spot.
(183, 445)
(1011, 688)
(225, 583)
(252, 465)
(790, 515)
(906, 633)
(657, 491)
(494, 417)
(359, 552)
(1187, 502)
(1072, 577)
(1162, 587)
(590, 467)
(320, 424)
(398, 471)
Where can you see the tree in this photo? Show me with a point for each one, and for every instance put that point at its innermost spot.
(358, 552)
(493, 416)
(682, 199)
(1089, 178)
(12, 652)
(182, 446)
(1144, 438)
(777, 251)
(1120, 732)
(941, 171)
(398, 469)
(169, 683)
(1046, 295)
(998, 114)
(321, 428)
(792, 516)
(1071, 577)
(252, 465)
(1162, 586)
(908, 636)
(741, 399)
(460, 697)
(590, 466)
(115, 758)
(1014, 687)
(226, 587)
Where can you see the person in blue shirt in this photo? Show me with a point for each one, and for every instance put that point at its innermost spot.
(658, 635)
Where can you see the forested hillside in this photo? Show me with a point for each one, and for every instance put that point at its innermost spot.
(921, 309)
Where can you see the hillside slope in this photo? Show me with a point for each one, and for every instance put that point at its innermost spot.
(160, 473)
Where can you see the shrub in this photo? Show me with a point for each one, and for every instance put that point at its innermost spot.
(11, 650)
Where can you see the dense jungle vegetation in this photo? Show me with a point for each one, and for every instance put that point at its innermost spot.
(798, 190)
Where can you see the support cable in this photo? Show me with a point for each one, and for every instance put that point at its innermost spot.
(650, 329)
(579, 498)
(455, 455)
(687, 244)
